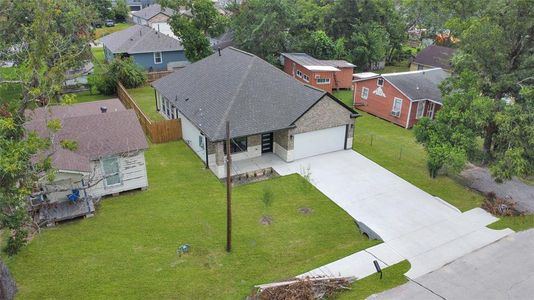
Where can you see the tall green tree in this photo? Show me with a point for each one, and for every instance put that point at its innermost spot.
(373, 29)
(45, 38)
(103, 8)
(121, 11)
(263, 27)
(194, 31)
(490, 98)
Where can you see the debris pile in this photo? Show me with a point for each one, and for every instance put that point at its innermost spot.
(303, 289)
(500, 206)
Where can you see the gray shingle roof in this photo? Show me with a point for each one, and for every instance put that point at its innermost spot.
(237, 86)
(140, 39)
(435, 56)
(419, 84)
(151, 11)
(97, 134)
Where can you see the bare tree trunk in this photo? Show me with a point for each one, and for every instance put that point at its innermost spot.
(488, 140)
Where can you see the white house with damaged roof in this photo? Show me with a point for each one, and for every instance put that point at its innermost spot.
(108, 157)
(272, 116)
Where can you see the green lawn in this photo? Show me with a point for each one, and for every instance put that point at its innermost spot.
(100, 32)
(144, 97)
(98, 55)
(392, 276)
(9, 92)
(86, 96)
(394, 69)
(395, 148)
(128, 250)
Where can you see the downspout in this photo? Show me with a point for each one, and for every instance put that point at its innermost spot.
(355, 87)
(409, 114)
(346, 136)
(156, 97)
(206, 143)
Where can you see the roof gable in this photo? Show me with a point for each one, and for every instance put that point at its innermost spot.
(140, 39)
(435, 56)
(418, 85)
(241, 88)
(153, 10)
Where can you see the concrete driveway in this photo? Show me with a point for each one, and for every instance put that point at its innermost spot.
(503, 270)
(413, 224)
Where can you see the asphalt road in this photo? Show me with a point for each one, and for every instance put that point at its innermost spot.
(502, 270)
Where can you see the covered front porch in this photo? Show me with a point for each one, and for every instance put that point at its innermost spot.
(255, 167)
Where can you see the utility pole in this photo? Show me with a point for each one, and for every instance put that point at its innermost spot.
(228, 190)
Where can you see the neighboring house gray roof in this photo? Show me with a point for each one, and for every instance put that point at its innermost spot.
(419, 85)
(140, 39)
(435, 56)
(97, 134)
(153, 10)
(314, 64)
(75, 110)
(240, 87)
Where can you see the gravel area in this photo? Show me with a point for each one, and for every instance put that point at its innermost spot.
(519, 192)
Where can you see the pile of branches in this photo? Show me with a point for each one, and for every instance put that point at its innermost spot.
(304, 289)
(500, 206)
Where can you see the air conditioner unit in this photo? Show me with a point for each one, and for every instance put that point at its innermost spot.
(395, 113)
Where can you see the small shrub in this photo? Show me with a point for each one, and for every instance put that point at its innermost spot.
(16, 241)
(267, 197)
(124, 70)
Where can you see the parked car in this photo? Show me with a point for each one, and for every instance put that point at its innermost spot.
(110, 23)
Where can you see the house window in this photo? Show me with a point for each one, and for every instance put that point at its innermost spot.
(158, 58)
(167, 108)
(380, 81)
(112, 175)
(365, 93)
(397, 106)
(323, 80)
(420, 109)
(201, 142)
(299, 74)
(237, 145)
(419, 67)
(305, 78)
(164, 105)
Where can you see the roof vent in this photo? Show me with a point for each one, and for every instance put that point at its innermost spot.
(103, 109)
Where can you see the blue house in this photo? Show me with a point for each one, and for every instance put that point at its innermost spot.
(152, 50)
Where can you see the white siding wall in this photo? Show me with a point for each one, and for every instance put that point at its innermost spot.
(191, 136)
(132, 171)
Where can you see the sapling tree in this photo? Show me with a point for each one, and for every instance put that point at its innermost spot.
(44, 39)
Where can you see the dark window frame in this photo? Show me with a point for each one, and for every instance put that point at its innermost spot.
(237, 145)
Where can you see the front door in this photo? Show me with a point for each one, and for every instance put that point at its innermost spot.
(267, 142)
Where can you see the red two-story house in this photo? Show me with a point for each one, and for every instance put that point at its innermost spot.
(326, 75)
(401, 98)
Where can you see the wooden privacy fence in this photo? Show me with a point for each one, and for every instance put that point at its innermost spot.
(153, 76)
(157, 131)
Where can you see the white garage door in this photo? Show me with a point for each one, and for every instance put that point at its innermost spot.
(319, 142)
